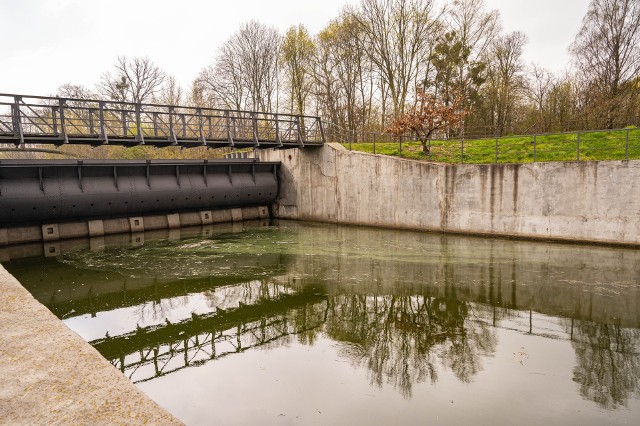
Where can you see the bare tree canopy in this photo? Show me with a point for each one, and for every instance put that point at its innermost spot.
(397, 36)
(244, 74)
(132, 80)
(607, 51)
(298, 50)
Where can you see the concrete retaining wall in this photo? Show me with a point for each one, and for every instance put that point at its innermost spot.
(595, 201)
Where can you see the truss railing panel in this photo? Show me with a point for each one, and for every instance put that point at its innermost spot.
(58, 121)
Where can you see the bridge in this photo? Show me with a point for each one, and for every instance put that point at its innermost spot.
(44, 192)
(26, 119)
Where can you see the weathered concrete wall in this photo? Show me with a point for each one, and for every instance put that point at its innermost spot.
(51, 376)
(576, 201)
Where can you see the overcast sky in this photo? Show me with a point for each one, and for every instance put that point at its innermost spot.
(47, 43)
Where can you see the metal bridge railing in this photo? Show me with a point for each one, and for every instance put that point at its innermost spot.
(58, 121)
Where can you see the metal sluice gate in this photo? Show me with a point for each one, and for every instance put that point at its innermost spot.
(34, 192)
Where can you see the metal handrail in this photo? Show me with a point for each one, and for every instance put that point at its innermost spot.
(42, 119)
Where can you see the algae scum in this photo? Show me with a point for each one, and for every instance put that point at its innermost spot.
(317, 324)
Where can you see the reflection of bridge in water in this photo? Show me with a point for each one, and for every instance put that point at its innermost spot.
(156, 351)
(401, 332)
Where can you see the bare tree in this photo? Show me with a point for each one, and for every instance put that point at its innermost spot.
(607, 52)
(397, 35)
(474, 25)
(506, 79)
(298, 50)
(244, 73)
(171, 92)
(132, 80)
(75, 91)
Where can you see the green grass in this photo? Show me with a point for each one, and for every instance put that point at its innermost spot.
(594, 145)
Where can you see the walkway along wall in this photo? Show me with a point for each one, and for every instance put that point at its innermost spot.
(596, 201)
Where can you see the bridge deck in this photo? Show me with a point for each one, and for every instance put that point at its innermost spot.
(59, 121)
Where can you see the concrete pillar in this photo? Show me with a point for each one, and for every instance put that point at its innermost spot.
(236, 215)
(173, 220)
(50, 232)
(51, 249)
(137, 239)
(220, 216)
(96, 228)
(137, 224)
(206, 218)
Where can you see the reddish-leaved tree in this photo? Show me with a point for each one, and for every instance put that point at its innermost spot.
(429, 115)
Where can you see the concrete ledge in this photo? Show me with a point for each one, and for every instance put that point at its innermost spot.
(99, 228)
(51, 376)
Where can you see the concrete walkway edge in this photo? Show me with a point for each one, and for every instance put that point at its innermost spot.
(50, 375)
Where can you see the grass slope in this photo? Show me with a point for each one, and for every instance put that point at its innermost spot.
(593, 145)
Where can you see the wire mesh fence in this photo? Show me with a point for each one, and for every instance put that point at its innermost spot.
(616, 144)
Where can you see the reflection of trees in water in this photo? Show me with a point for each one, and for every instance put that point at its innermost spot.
(608, 362)
(401, 338)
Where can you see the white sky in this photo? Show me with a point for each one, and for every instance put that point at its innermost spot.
(47, 43)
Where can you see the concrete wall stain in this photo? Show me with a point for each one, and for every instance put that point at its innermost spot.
(556, 201)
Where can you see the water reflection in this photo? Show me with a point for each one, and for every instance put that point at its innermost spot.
(406, 307)
(402, 339)
(608, 363)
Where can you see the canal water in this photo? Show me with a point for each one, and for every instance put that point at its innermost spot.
(293, 323)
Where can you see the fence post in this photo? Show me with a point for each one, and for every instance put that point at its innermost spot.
(462, 150)
(400, 146)
(626, 146)
(496, 151)
(374, 144)
(578, 147)
(535, 148)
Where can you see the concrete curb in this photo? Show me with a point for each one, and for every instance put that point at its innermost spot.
(50, 375)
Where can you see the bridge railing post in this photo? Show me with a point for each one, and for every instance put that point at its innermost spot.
(172, 133)
(278, 138)
(63, 126)
(139, 134)
(299, 131)
(254, 125)
(203, 141)
(322, 138)
(103, 125)
(17, 120)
